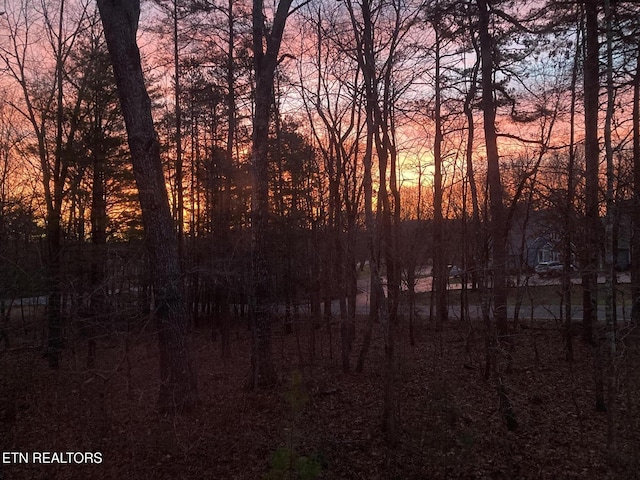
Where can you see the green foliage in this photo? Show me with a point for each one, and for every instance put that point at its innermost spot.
(296, 396)
(285, 462)
(280, 463)
(308, 468)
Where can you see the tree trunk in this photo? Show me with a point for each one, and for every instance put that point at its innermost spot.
(370, 228)
(178, 382)
(592, 160)
(569, 213)
(262, 370)
(440, 274)
(635, 252)
(497, 225)
(472, 263)
(592, 216)
(54, 301)
(54, 214)
(178, 113)
(99, 239)
(609, 345)
(496, 206)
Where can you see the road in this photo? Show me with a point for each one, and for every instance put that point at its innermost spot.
(527, 311)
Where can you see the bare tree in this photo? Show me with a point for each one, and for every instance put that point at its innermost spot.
(178, 382)
(42, 103)
(440, 273)
(266, 47)
(635, 265)
(497, 225)
(377, 53)
(592, 216)
(569, 210)
(335, 113)
(175, 13)
(592, 158)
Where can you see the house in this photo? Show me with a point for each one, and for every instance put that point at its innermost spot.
(534, 238)
(538, 237)
(544, 249)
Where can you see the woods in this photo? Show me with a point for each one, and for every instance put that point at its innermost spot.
(303, 196)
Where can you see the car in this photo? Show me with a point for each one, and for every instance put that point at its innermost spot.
(455, 271)
(551, 269)
(548, 268)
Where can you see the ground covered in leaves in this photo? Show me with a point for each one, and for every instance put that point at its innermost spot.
(320, 422)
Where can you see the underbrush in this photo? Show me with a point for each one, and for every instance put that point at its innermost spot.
(319, 421)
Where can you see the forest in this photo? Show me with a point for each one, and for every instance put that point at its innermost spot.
(302, 239)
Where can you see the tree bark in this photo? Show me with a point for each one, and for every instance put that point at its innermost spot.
(635, 253)
(496, 205)
(99, 222)
(608, 348)
(178, 382)
(592, 215)
(569, 213)
(380, 127)
(497, 226)
(440, 274)
(592, 160)
(177, 91)
(471, 265)
(265, 61)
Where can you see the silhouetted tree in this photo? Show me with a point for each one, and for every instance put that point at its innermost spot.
(266, 47)
(178, 382)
